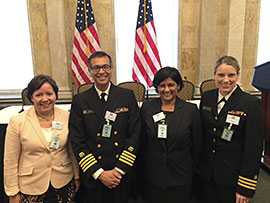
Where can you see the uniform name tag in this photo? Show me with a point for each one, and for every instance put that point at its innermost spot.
(159, 116)
(106, 130)
(227, 134)
(232, 119)
(55, 142)
(110, 116)
(57, 125)
(162, 131)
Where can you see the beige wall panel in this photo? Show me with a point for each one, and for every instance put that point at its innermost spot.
(104, 15)
(236, 29)
(39, 36)
(250, 43)
(57, 44)
(208, 38)
(222, 28)
(189, 38)
(214, 35)
(189, 59)
(69, 26)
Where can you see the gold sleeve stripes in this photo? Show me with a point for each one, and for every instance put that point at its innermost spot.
(87, 161)
(127, 158)
(247, 183)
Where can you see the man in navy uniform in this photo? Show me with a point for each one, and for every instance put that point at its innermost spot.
(104, 130)
(232, 128)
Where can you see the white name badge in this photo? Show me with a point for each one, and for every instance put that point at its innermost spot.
(232, 119)
(106, 130)
(159, 116)
(57, 125)
(110, 116)
(55, 142)
(162, 131)
(227, 134)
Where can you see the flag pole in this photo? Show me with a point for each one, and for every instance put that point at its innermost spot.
(87, 50)
(85, 42)
(144, 27)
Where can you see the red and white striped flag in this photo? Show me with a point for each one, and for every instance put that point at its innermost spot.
(146, 55)
(85, 42)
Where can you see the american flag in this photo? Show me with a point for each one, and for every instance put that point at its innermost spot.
(146, 55)
(85, 42)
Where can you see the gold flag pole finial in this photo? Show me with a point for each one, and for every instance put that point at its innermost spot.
(144, 27)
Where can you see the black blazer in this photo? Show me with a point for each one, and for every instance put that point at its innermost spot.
(85, 127)
(170, 162)
(236, 162)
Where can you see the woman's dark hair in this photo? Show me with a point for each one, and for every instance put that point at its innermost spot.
(37, 82)
(168, 72)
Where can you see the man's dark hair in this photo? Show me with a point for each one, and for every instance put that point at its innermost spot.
(99, 54)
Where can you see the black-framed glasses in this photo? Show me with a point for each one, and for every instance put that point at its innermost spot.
(96, 68)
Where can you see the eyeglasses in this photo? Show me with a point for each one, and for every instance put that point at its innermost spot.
(96, 68)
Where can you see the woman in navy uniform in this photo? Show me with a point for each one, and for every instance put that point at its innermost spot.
(232, 138)
(104, 130)
(171, 141)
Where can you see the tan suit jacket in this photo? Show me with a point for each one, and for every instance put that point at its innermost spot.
(29, 163)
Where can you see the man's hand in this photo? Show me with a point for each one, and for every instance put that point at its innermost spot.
(110, 178)
(241, 199)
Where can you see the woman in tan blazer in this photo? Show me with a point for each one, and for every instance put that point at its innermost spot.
(38, 161)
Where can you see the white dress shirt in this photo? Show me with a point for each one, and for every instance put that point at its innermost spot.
(106, 92)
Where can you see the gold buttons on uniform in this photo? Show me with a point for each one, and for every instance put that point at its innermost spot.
(115, 132)
(99, 157)
(116, 156)
(116, 144)
(98, 134)
(214, 129)
(98, 145)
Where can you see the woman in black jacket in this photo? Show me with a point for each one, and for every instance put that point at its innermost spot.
(171, 141)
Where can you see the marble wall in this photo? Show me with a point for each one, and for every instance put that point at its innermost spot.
(52, 25)
(208, 29)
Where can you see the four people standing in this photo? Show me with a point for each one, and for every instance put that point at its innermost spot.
(105, 132)
(104, 128)
(232, 134)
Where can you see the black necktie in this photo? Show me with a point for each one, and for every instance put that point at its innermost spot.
(220, 105)
(102, 97)
(222, 100)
